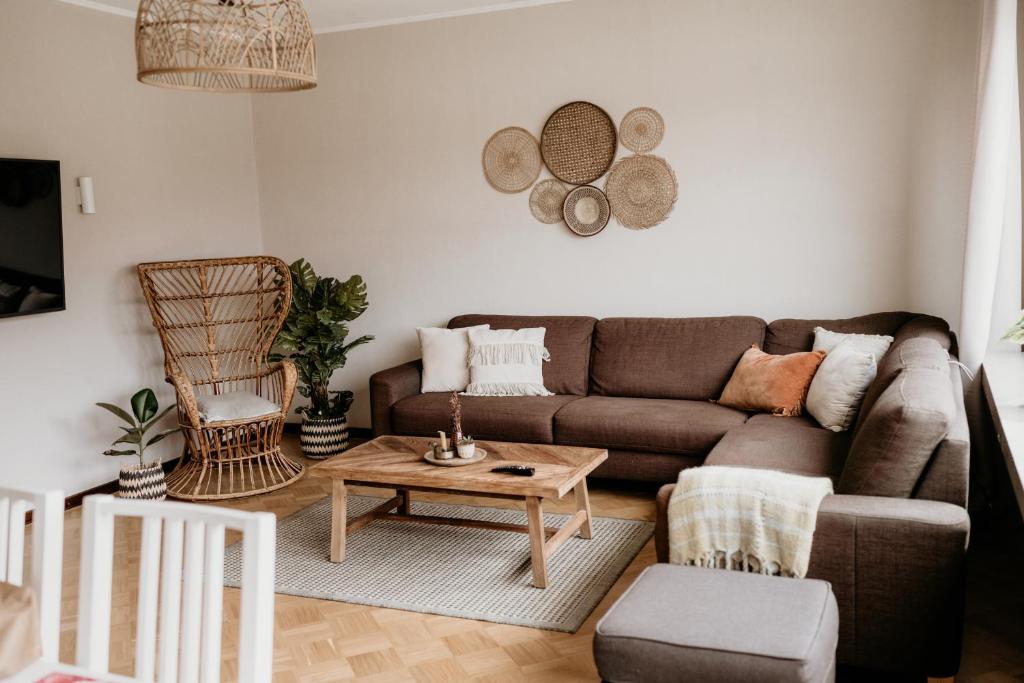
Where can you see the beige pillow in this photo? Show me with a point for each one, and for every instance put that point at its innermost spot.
(445, 354)
(772, 384)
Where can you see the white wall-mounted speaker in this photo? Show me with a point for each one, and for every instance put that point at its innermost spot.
(86, 198)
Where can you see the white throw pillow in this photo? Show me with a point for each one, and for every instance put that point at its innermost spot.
(875, 344)
(445, 356)
(234, 405)
(507, 362)
(839, 384)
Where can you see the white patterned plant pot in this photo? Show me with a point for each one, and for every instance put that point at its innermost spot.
(142, 483)
(323, 437)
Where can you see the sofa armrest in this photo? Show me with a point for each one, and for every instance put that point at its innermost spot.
(896, 567)
(387, 388)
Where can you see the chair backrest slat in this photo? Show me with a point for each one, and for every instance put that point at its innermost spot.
(183, 561)
(149, 587)
(47, 554)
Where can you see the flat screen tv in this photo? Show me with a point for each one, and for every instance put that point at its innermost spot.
(31, 245)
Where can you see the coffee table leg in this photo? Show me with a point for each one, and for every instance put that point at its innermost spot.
(583, 505)
(405, 507)
(339, 517)
(535, 520)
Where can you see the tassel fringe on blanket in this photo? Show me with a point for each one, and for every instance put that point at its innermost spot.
(745, 519)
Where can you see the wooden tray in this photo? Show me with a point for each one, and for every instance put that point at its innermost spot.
(456, 461)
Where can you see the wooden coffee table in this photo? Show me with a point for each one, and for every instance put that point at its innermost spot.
(396, 462)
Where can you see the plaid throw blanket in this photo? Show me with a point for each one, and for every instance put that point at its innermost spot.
(747, 519)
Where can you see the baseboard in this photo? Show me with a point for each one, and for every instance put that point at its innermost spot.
(354, 432)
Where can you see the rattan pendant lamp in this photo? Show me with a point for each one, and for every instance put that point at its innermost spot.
(225, 45)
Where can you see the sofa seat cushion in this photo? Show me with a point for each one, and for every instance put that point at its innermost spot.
(645, 424)
(500, 418)
(789, 444)
(694, 624)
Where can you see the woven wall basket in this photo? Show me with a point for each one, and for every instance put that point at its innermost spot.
(641, 130)
(511, 160)
(586, 210)
(579, 142)
(547, 199)
(642, 190)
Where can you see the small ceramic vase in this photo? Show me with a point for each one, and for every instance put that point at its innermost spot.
(467, 450)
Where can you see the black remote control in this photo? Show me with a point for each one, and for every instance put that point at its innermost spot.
(518, 470)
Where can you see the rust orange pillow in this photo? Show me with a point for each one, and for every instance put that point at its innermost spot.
(773, 384)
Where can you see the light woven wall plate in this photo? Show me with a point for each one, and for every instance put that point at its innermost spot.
(586, 210)
(642, 190)
(579, 143)
(547, 199)
(641, 130)
(511, 160)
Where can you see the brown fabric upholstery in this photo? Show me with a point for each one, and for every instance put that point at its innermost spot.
(645, 424)
(387, 388)
(680, 358)
(695, 624)
(772, 384)
(790, 335)
(946, 477)
(788, 444)
(500, 418)
(896, 568)
(929, 327)
(644, 466)
(900, 434)
(567, 338)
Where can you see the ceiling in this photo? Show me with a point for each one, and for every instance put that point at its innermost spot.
(346, 15)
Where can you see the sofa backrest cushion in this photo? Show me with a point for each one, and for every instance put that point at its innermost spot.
(567, 338)
(680, 358)
(899, 435)
(790, 335)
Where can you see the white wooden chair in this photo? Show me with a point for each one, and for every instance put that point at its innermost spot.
(47, 554)
(183, 544)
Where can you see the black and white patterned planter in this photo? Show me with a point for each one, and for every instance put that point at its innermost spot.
(142, 483)
(321, 438)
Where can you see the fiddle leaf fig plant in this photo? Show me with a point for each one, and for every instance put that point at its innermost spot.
(315, 336)
(145, 413)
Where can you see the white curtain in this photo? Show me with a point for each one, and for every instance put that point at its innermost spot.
(995, 201)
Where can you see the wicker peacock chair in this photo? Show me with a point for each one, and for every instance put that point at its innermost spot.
(217, 319)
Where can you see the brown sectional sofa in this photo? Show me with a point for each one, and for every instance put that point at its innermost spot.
(641, 387)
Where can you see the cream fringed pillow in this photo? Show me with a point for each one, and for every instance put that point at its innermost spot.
(773, 384)
(507, 362)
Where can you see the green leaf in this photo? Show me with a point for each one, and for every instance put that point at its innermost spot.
(157, 418)
(161, 436)
(303, 275)
(120, 412)
(111, 451)
(144, 405)
(132, 438)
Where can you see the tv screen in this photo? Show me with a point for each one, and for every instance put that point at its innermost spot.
(31, 249)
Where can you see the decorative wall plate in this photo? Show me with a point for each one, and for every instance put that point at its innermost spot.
(579, 142)
(586, 210)
(511, 160)
(547, 199)
(642, 190)
(641, 130)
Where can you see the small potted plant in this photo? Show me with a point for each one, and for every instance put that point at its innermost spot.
(144, 480)
(314, 338)
(466, 447)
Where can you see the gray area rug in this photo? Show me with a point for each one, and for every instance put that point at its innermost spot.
(452, 571)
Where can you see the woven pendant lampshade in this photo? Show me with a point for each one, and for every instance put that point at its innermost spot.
(225, 45)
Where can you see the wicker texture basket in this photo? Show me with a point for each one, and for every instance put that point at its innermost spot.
(511, 160)
(579, 142)
(642, 190)
(586, 210)
(641, 130)
(547, 199)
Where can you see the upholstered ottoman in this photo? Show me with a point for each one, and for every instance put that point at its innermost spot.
(711, 625)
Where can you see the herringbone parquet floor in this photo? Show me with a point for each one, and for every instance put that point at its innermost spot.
(318, 641)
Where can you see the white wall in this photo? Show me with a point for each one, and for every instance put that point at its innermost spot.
(793, 127)
(175, 178)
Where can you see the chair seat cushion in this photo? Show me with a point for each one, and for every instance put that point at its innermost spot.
(645, 424)
(680, 623)
(790, 444)
(234, 405)
(500, 418)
